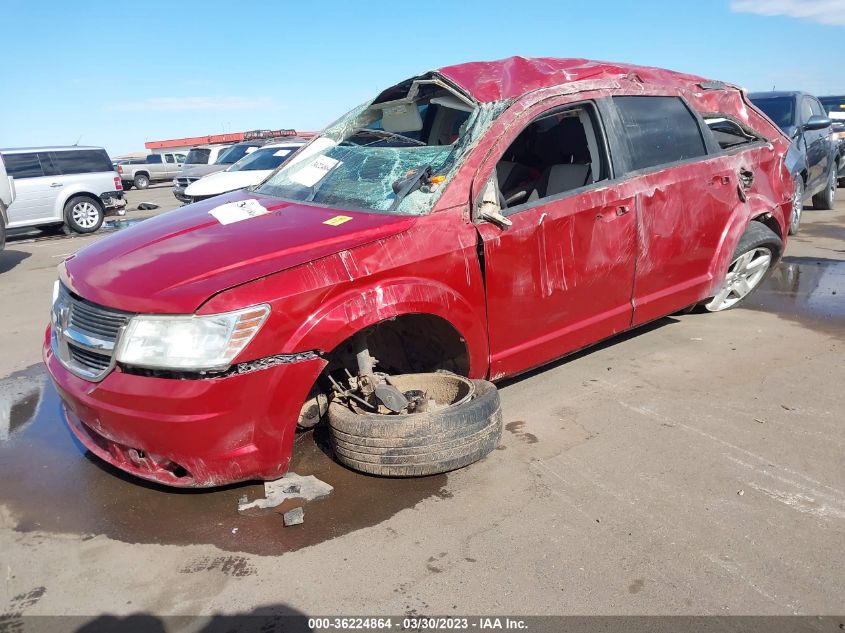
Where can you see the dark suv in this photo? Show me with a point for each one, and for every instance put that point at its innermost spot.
(835, 107)
(813, 157)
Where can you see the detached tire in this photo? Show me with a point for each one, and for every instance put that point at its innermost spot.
(417, 444)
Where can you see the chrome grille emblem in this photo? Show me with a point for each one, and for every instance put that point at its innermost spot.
(84, 335)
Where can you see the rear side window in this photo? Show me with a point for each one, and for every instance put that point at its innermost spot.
(154, 159)
(660, 130)
(23, 165)
(729, 133)
(169, 158)
(82, 161)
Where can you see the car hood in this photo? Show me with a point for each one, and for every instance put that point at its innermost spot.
(198, 171)
(176, 261)
(224, 181)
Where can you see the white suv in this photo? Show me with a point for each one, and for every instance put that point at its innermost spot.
(73, 186)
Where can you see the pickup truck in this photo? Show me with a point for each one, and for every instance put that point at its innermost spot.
(155, 168)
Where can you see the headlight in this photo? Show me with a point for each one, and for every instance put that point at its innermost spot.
(175, 181)
(189, 342)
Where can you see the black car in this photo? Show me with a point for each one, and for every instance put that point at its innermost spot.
(835, 107)
(813, 159)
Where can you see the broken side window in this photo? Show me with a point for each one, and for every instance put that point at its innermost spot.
(730, 133)
(556, 153)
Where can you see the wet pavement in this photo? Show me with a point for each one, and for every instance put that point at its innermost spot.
(693, 466)
(807, 290)
(53, 484)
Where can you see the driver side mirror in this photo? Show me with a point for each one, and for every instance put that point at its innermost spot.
(817, 122)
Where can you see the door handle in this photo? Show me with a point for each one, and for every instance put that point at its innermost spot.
(57, 184)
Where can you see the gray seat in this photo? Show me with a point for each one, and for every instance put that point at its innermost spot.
(557, 179)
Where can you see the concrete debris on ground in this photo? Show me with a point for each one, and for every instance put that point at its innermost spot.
(291, 486)
(294, 517)
(147, 206)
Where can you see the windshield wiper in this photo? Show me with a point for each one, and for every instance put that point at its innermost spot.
(411, 181)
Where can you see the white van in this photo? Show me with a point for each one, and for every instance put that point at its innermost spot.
(74, 186)
(7, 197)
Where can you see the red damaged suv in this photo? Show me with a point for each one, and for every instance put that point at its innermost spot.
(485, 219)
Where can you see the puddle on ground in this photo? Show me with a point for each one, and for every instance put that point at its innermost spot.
(49, 483)
(122, 223)
(808, 290)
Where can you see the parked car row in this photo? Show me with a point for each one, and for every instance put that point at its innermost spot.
(76, 187)
(225, 161)
(250, 170)
(835, 107)
(482, 219)
(814, 157)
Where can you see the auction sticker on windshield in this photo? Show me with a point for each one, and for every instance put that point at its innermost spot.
(237, 211)
(314, 172)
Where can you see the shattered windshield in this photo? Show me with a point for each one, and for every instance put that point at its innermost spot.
(392, 155)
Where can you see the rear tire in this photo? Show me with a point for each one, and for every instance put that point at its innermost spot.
(84, 214)
(757, 250)
(418, 444)
(141, 181)
(2, 234)
(825, 199)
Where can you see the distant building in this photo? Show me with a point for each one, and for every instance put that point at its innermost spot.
(184, 144)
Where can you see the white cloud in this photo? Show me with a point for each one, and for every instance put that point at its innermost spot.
(823, 11)
(187, 104)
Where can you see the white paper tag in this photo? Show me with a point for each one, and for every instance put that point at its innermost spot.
(837, 115)
(314, 172)
(237, 211)
(281, 152)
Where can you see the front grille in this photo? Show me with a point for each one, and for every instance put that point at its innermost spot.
(91, 360)
(99, 322)
(184, 182)
(84, 334)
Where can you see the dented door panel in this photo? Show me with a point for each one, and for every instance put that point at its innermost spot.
(682, 213)
(558, 279)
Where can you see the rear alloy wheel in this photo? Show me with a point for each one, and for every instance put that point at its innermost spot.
(757, 250)
(83, 214)
(797, 206)
(141, 181)
(825, 199)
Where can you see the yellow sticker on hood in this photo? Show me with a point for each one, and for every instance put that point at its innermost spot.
(337, 220)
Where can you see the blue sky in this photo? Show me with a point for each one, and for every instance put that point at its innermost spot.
(118, 74)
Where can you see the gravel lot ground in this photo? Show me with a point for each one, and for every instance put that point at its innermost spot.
(694, 466)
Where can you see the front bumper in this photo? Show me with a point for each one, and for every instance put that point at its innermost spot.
(179, 193)
(188, 433)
